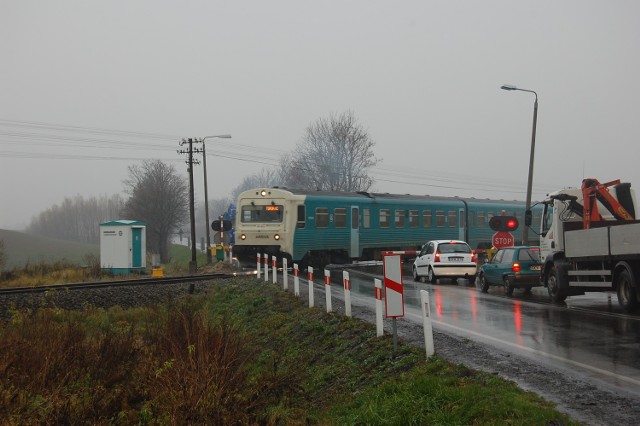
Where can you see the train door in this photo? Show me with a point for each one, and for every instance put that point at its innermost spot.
(461, 225)
(355, 232)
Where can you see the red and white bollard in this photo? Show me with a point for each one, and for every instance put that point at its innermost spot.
(310, 278)
(266, 267)
(296, 280)
(426, 322)
(285, 274)
(346, 283)
(327, 289)
(259, 264)
(274, 264)
(379, 325)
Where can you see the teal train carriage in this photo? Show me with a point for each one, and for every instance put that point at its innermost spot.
(321, 227)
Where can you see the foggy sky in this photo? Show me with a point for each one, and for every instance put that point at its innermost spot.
(88, 88)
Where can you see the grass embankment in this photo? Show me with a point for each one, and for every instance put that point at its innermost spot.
(245, 353)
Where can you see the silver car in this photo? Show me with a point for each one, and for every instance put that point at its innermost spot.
(445, 259)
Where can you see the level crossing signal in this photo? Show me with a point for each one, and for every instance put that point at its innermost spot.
(504, 223)
(226, 225)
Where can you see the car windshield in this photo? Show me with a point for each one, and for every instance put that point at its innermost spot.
(529, 254)
(454, 248)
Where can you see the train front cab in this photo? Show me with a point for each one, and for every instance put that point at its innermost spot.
(265, 223)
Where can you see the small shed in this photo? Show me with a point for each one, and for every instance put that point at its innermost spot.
(123, 246)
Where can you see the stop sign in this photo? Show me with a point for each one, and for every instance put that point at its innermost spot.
(502, 239)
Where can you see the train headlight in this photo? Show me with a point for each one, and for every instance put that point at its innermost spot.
(243, 237)
(263, 193)
(276, 237)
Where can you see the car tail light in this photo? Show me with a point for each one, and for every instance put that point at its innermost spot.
(436, 258)
(474, 256)
(515, 267)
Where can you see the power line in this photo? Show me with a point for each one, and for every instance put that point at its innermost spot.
(269, 158)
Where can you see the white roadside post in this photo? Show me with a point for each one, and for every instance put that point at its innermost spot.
(426, 321)
(310, 278)
(327, 289)
(259, 264)
(296, 280)
(285, 274)
(274, 263)
(346, 283)
(266, 267)
(379, 325)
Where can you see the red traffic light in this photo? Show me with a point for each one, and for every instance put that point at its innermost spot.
(504, 223)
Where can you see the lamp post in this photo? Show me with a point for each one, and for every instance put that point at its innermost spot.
(206, 195)
(525, 231)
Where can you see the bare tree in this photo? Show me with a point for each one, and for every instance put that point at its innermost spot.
(334, 154)
(160, 198)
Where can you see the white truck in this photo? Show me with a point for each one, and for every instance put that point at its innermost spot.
(590, 241)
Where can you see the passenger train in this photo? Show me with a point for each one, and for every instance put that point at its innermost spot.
(321, 227)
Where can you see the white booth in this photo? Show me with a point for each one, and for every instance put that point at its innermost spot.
(123, 246)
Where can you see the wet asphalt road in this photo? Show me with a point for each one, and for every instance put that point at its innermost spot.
(590, 336)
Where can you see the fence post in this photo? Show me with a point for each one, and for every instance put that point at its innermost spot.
(285, 274)
(310, 280)
(327, 289)
(378, 289)
(296, 280)
(346, 283)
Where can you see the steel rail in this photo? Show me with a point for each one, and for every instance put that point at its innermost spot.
(121, 283)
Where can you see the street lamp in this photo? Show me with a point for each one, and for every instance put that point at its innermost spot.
(206, 195)
(525, 232)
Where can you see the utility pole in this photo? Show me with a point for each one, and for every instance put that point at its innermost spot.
(193, 265)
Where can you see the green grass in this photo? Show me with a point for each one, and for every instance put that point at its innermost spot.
(22, 248)
(245, 353)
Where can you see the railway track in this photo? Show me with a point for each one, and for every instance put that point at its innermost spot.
(106, 294)
(121, 283)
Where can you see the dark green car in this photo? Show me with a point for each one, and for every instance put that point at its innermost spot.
(512, 267)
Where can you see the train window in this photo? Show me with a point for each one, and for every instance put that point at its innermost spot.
(322, 217)
(453, 219)
(384, 218)
(301, 223)
(440, 218)
(366, 218)
(472, 219)
(255, 213)
(399, 218)
(354, 218)
(426, 218)
(413, 218)
(340, 217)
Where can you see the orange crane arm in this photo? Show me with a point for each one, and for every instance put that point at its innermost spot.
(593, 191)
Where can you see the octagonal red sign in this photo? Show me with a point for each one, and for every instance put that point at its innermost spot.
(502, 239)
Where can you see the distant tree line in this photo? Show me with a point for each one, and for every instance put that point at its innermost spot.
(77, 218)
